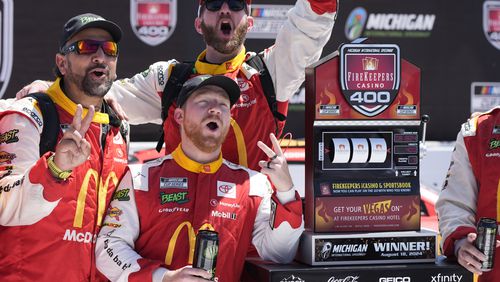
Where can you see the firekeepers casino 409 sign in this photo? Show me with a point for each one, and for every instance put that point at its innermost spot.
(153, 21)
(370, 76)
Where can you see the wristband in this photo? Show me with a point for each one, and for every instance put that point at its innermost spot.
(56, 171)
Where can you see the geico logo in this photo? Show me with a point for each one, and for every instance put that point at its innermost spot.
(80, 237)
(394, 279)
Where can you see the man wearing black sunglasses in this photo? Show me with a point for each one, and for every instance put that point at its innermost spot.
(52, 205)
(223, 25)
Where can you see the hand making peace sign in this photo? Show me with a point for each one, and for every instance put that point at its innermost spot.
(73, 149)
(277, 167)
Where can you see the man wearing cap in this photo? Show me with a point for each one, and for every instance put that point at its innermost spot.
(223, 25)
(51, 206)
(163, 204)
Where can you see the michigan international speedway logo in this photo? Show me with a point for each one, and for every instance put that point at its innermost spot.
(491, 22)
(370, 76)
(153, 21)
(6, 38)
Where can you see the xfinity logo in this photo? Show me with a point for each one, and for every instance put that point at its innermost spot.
(394, 279)
(447, 278)
(346, 279)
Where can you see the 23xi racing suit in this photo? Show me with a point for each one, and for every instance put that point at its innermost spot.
(472, 188)
(48, 227)
(159, 207)
(298, 44)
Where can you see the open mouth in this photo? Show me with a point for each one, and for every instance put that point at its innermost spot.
(213, 126)
(225, 27)
(98, 73)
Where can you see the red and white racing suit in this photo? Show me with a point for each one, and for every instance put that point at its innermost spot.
(472, 188)
(159, 207)
(298, 44)
(47, 226)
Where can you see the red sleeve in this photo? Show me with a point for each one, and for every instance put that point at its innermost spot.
(146, 272)
(323, 6)
(449, 244)
(53, 189)
(290, 212)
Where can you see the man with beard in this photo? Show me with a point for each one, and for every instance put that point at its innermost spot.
(51, 206)
(224, 25)
(150, 234)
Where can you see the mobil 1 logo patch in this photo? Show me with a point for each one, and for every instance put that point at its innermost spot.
(153, 21)
(370, 76)
(173, 183)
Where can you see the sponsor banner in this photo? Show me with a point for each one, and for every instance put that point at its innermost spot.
(268, 20)
(376, 187)
(388, 24)
(375, 249)
(153, 21)
(484, 96)
(421, 272)
(366, 214)
(491, 22)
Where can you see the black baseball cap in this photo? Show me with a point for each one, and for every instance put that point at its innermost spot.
(83, 21)
(229, 85)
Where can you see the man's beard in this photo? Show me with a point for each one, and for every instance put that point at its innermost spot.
(86, 84)
(206, 144)
(220, 45)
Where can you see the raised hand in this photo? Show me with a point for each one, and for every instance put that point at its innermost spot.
(74, 149)
(276, 167)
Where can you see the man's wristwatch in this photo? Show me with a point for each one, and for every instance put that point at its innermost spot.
(56, 171)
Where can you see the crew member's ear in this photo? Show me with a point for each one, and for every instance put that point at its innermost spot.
(179, 115)
(250, 23)
(61, 63)
(197, 25)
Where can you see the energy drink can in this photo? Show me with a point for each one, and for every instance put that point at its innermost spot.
(486, 241)
(206, 250)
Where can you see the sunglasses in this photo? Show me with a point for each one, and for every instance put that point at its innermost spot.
(234, 5)
(82, 47)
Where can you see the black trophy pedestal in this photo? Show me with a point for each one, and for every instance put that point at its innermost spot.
(257, 270)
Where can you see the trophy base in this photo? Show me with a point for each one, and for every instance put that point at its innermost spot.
(257, 270)
(367, 248)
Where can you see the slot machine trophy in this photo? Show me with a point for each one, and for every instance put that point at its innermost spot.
(363, 129)
(362, 192)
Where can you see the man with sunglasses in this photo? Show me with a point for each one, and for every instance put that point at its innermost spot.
(52, 206)
(223, 25)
